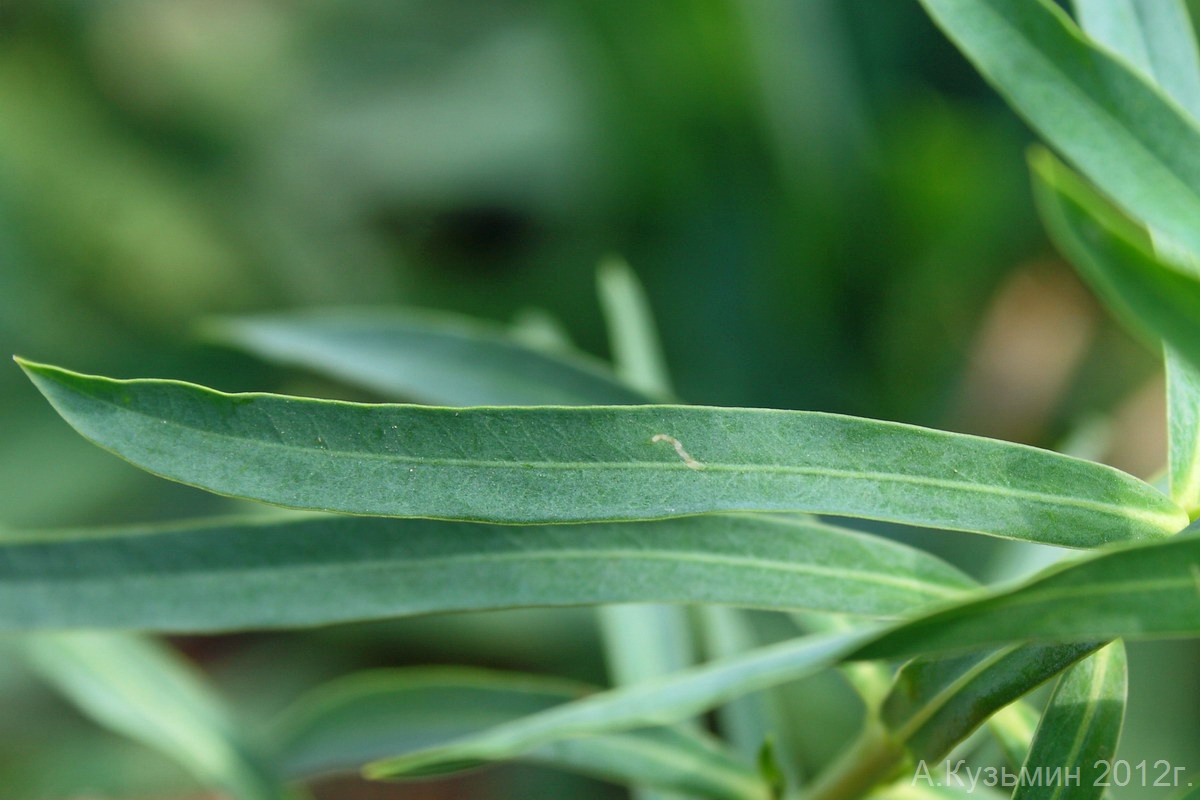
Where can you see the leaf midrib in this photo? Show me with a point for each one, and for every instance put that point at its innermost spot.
(934, 591)
(1113, 509)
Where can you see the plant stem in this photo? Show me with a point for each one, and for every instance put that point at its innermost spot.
(870, 760)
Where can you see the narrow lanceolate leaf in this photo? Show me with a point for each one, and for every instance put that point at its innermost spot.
(359, 718)
(427, 356)
(1155, 37)
(1134, 591)
(935, 703)
(663, 701)
(144, 691)
(556, 464)
(1118, 129)
(317, 570)
(1117, 258)
(1137, 591)
(632, 335)
(1079, 731)
(1151, 294)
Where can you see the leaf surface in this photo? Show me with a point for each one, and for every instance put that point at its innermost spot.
(435, 357)
(1080, 727)
(1145, 590)
(555, 464)
(315, 570)
(358, 718)
(1117, 258)
(1140, 148)
(141, 689)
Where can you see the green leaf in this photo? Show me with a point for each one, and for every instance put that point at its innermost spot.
(355, 719)
(1155, 37)
(1014, 727)
(1183, 431)
(934, 704)
(1154, 297)
(142, 690)
(1127, 591)
(1137, 591)
(431, 356)
(1117, 258)
(1079, 729)
(1135, 144)
(315, 570)
(633, 339)
(554, 464)
(662, 701)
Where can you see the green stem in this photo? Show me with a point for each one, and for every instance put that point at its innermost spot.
(872, 759)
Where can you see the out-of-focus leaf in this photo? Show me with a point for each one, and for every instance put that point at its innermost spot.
(663, 701)
(633, 339)
(363, 717)
(144, 691)
(1183, 430)
(1080, 729)
(1014, 727)
(933, 790)
(430, 356)
(314, 570)
(644, 640)
(1118, 259)
(1119, 130)
(554, 464)
(101, 765)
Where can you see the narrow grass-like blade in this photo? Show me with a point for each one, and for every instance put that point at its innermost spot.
(937, 702)
(556, 464)
(1118, 259)
(142, 690)
(1079, 731)
(359, 718)
(312, 570)
(1136, 591)
(1140, 148)
(434, 357)
(632, 335)
(653, 703)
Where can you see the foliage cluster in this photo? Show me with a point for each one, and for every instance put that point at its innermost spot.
(535, 475)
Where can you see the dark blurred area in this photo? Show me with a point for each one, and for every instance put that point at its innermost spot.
(828, 207)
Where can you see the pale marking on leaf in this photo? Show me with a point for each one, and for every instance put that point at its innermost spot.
(687, 459)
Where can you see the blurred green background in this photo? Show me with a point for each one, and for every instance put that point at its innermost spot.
(828, 207)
